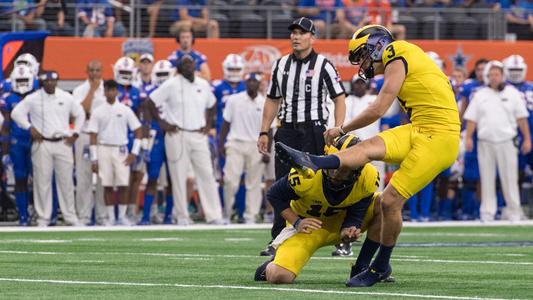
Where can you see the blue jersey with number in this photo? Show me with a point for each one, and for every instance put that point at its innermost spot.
(222, 90)
(146, 89)
(8, 104)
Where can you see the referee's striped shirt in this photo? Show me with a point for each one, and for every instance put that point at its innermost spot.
(303, 86)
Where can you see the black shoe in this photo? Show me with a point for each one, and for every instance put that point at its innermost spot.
(268, 251)
(342, 249)
(369, 277)
(296, 159)
(356, 270)
(260, 272)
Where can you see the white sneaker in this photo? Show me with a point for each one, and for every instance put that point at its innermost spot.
(218, 222)
(185, 222)
(124, 222)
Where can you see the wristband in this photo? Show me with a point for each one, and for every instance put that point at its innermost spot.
(298, 221)
(263, 133)
(136, 148)
(341, 131)
(93, 152)
(144, 144)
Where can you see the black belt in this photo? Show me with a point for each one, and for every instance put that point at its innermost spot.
(53, 139)
(304, 124)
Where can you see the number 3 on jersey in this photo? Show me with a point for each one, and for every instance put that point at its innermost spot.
(392, 53)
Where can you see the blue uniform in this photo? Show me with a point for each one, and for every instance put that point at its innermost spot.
(19, 153)
(157, 154)
(222, 90)
(199, 58)
(131, 97)
(527, 90)
(471, 171)
(20, 141)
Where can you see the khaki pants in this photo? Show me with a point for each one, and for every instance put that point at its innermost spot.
(184, 148)
(49, 158)
(86, 199)
(243, 157)
(501, 157)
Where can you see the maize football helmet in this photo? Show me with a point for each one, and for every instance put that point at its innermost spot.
(367, 46)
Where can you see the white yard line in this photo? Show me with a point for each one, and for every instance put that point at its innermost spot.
(243, 226)
(176, 255)
(240, 287)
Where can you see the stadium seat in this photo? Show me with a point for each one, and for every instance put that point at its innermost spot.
(223, 23)
(411, 25)
(279, 26)
(252, 26)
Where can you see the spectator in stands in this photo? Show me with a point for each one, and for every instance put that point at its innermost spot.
(185, 39)
(25, 13)
(193, 14)
(154, 6)
(54, 13)
(364, 12)
(495, 110)
(520, 19)
(97, 17)
(326, 14)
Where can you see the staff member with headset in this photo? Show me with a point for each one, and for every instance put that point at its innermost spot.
(496, 110)
(46, 114)
(300, 83)
(185, 39)
(189, 105)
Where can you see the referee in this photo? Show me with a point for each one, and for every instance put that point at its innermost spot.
(300, 84)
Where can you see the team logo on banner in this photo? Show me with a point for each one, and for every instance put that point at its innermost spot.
(259, 58)
(134, 48)
(459, 59)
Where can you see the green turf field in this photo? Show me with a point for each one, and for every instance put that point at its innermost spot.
(442, 263)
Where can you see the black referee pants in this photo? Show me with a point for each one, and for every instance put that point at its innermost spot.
(307, 137)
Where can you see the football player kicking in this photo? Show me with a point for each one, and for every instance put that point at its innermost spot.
(424, 148)
(330, 207)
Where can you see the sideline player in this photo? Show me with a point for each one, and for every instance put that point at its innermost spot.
(109, 127)
(162, 71)
(331, 207)
(423, 148)
(16, 142)
(124, 71)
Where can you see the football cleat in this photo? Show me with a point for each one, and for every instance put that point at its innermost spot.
(298, 160)
(368, 277)
(357, 270)
(143, 223)
(268, 251)
(260, 272)
(342, 249)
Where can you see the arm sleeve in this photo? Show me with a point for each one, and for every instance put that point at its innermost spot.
(133, 121)
(471, 109)
(520, 107)
(94, 122)
(332, 81)
(20, 115)
(355, 214)
(280, 194)
(160, 95)
(211, 99)
(273, 91)
(227, 113)
(78, 113)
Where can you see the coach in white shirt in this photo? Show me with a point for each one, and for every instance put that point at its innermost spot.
(90, 94)
(495, 110)
(242, 119)
(109, 130)
(189, 106)
(46, 113)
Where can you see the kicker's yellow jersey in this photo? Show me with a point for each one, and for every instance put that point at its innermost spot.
(313, 203)
(426, 94)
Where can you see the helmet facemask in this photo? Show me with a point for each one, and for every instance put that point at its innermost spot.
(365, 55)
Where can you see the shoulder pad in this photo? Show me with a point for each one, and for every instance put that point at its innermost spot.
(299, 183)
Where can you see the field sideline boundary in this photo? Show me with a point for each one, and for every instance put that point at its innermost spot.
(446, 224)
(239, 287)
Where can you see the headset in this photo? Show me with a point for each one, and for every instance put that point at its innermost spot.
(186, 30)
